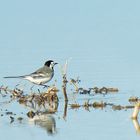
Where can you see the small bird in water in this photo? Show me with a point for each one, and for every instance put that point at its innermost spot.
(40, 76)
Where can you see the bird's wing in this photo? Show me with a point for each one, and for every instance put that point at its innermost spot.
(40, 73)
(41, 70)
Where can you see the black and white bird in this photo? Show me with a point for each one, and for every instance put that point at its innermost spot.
(40, 76)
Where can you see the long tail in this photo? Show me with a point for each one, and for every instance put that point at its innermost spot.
(14, 77)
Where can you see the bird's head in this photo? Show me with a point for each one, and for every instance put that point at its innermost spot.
(50, 63)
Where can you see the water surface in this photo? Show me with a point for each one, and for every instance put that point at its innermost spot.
(100, 40)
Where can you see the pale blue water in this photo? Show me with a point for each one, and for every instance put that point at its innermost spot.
(101, 39)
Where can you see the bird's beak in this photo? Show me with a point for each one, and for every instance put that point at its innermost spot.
(55, 63)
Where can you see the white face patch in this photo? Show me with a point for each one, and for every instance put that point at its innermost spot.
(52, 65)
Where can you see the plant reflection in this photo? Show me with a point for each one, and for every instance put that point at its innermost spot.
(65, 110)
(136, 125)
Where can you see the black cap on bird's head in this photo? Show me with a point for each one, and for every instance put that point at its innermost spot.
(50, 63)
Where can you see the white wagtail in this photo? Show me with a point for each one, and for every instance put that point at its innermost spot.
(41, 76)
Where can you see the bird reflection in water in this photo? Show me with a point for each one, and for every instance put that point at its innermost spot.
(45, 121)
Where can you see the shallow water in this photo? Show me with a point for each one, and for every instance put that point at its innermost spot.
(78, 123)
(99, 39)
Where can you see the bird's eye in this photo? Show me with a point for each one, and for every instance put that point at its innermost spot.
(51, 64)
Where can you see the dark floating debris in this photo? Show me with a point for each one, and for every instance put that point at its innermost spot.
(99, 104)
(44, 101)
(75, 106)
(96, 90)
(30, 114)
(133, 99)
(9, 113)
(17, 92)
(47, 99)
(105, 90)
(12, 119)
(20, 119)
(84, 91)
(93, 90)
(48, 96)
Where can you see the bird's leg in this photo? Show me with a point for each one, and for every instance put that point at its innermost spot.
(45, 86)
(31, 88)
(38, 90)
(16, 85)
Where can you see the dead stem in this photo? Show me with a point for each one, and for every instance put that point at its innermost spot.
(65, 110)
(74, 82)
(136, 111)
(64, 77)
(136, 125)
(64, 86)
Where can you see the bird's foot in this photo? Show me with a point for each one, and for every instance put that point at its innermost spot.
(32, 88)
(45, 86)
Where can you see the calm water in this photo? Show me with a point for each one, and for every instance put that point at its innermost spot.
(80, 123)
(101, 41)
